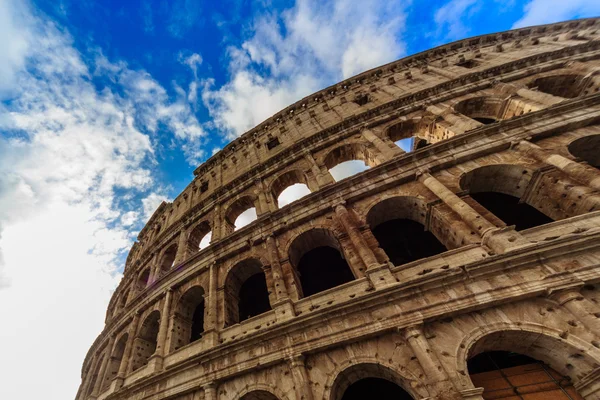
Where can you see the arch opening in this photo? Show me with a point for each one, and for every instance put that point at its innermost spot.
(188, 319)
(348, 160)
(246, 292)
(568, 86)
(168, 258)
(587, 149)
(364, 381)
(319, 261)
(398, 225)
(292, 193)
(259, 395)
(289, 187)
(145, 342)
(484, 109)
(115, 361)
(406, 135)
(143, 279)
(240, 213)
(501, 190)
(531, 364)
(199, 237)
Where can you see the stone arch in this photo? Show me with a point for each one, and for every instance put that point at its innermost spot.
(399, 225)
(287, 180)
(410, 133)
(188, 318)
(245, 290)
(568, 355)
(199, 232)
(484, 109)
(236, 208)
(167, 260)
(370, 368)
(146, 340)
(95, 374)
(143, 279)
(260, 391)
(568, 86)
(116, 357)
(586, 148)
(350, 152)
(502, 190)
(319, 259)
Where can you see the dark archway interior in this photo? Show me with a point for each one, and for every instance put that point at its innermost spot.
(587, 148)
(405, 240)
(508, 375)
(509, 210)
(375, 388)
(323, 268)
(485, 121)
(197, 322)
(421, 143)
(254, 297)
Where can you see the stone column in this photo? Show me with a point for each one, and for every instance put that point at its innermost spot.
(182, 246)
(498, 239)
(300, 376)
(100, 376)
(582, 173)
(127, 360)
(283, 306)
(322, 176)
(154, 270)
(164, 324)
(379, 274)
(265, 202)
(217, 225)
(386, 151)
(460, 123)
(210, 332)
(210, 391)
(528, 94)
(576, 304)
(430, 364)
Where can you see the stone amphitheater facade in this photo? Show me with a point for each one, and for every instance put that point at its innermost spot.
(483, 239)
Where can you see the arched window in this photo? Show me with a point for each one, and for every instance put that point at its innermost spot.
(289, 187)
(259, 395)
(123, 299)
(499, 189)
(349, 159)
(188, 320)
(115, 361)
(587, 149)
(484, 109)
(143, 279)
(145, 342)
(568, 86)
(368, 381)
(240, 213)
(317, 256)
(398, 226)
(168, 258)
(405, 135)
(95, 375)
(246, 292)
(199, 237)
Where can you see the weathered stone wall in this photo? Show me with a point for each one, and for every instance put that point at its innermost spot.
(498, 113)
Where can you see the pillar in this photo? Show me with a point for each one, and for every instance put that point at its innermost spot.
(383, 148)
(161, 340)
(528, 94)
(582, 173)
(210, 332)
(283, 305)
(100, 377)
(300, 377)
(321, 174)
(379, 274)
(460, 123)
(217, 225)
(430, 364)
(127, 361)
(182, 246)
(154, 270)
(265, 202)
(576, 304)
(210, 391)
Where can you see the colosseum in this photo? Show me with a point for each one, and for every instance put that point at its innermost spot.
(462, 262)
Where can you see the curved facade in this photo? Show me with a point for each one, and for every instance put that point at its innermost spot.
(465, 268)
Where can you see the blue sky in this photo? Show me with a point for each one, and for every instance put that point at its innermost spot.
(106, 108)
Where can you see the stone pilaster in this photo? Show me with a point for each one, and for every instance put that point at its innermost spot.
(100, 376)
(182, 246)
(386, 151)
(579, 306)
(300, 377)
(210, 331)
(460, 123)
(127, 360)
(210, 391)
(321, 174)
(217, 225)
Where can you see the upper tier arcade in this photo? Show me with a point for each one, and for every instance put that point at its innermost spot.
(495, 199)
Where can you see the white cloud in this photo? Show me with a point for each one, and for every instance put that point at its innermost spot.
(347, 169)
(547, 11)
(70, 147)
(13, 46)
(450, 18)
(299, 51)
